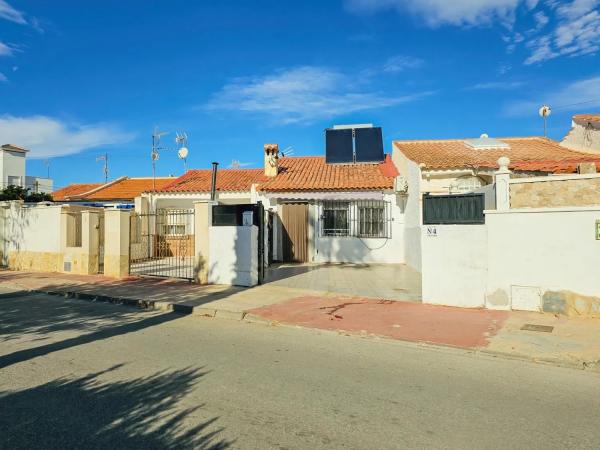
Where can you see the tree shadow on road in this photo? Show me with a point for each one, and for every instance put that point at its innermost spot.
(96, 412)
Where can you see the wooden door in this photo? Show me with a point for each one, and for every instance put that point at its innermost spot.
(295, 232)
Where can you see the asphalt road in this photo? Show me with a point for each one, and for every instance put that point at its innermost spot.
(87, 375)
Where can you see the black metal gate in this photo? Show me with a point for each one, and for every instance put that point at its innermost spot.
(161, 244)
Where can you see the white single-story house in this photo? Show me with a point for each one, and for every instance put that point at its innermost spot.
(455, 166)
(319, 212)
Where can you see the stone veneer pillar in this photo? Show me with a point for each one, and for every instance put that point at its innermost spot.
(116, 243)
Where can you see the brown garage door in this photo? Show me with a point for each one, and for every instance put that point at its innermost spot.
(295, 232)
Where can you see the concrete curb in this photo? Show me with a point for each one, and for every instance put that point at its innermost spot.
(245, 316)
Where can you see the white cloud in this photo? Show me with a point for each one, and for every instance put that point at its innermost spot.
(442, 12)
(303, 94)
(567, 28)
(9, 13)
(49, 137)
(496, 85)
(577, 32)
(6, 50)
(3, 78)
(401, 63)
(577, 96)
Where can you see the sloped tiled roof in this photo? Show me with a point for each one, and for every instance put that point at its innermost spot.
(232, 180)
(128, 188)
(72, 190)
(311, 173)
(526, 154)
(304, 173)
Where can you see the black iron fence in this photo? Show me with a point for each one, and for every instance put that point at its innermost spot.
(459, 209)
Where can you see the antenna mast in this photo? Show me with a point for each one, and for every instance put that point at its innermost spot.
(544, 113)
(47, 164)
(99, 158)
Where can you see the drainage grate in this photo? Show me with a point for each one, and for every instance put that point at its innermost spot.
(540, 328)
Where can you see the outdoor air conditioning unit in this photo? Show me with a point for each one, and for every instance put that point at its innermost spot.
(400, 185)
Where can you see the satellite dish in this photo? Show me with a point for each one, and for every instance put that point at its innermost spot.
(545, 111)
(183, 153)
(154, 156)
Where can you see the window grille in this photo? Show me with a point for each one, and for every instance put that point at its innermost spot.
(74, 229)
(174, 222)
(357, 218)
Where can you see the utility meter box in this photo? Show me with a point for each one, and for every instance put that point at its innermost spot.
(247, 218)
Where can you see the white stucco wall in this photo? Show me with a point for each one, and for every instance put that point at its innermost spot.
(361, 250)
(412, 231)
(35, 229)
(454, 270)
(512, 260)
(233, 255)
(12, 164)
(542, 249)
(584, 138)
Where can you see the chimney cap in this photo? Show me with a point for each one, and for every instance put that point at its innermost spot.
(271, 147)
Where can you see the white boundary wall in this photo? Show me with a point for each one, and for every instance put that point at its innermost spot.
(532, 251)
(512, 260)
(454, 268)
(233, 255)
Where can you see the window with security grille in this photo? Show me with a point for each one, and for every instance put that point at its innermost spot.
(371, 220)
(173, 222)
(335, 219)
(356, 218)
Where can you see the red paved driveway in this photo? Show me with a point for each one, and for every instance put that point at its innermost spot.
(459, 327)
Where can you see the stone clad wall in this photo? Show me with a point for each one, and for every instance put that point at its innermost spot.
(555, 193)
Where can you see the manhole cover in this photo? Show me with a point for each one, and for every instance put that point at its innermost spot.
(534, 327)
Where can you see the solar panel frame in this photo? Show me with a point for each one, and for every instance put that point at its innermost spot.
(368, 144)
(339, 146)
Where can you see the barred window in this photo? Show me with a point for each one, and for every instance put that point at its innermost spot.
(371, 220)
(357, 218)
(335, 219)
(174, 222)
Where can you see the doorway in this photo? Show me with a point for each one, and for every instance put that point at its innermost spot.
(294, 219)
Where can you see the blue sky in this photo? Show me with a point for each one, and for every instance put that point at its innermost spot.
(78, 79)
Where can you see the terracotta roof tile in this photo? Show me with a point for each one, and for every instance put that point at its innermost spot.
(527, 154)
(128, 188)
(311, 173)
(302, 173)
(234, 180)
(72, 190)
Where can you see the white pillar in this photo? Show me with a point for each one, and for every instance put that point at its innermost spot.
(502, 180)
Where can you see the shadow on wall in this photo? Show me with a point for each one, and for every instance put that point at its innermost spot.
(13, 230)
(92, 412)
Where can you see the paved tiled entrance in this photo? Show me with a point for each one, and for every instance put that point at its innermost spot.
(385, 281)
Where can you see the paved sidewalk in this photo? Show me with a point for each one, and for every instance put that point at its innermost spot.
(571, 341)
(166, 294)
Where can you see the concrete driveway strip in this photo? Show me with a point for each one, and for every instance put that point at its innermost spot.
(86, 375)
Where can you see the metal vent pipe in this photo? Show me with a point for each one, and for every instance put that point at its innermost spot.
(213, 186)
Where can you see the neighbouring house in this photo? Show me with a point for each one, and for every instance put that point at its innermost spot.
(317, 211)
(120, 192)
(584, 134)
(12, 170)
(455, 166)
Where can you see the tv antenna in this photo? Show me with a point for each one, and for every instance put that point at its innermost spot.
(288, 151)
(47, 164)
(544, 113)
(182, 152)
(105, 169)
(156, 135)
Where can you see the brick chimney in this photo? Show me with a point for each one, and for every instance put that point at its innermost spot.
(271, 159)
